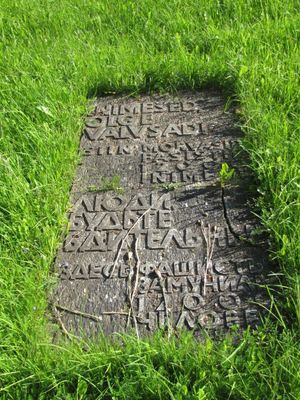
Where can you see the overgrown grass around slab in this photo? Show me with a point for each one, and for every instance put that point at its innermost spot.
(55, 55)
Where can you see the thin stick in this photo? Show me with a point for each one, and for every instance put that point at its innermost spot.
(213, 243)
(133, 294)
(62, 325)
(161, 283)
(126, 236)
(130, 276)
(91, 316)
(209, 250)
(137, 270)
(206, 267)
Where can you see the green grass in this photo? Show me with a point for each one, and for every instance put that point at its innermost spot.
(55, 55)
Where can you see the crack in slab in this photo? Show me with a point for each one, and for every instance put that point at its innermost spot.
(239, 237)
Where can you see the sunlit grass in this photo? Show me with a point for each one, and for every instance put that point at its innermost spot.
(57, 55)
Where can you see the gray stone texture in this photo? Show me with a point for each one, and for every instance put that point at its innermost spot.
(164, 245)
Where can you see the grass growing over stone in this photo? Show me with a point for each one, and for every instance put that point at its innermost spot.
(55, 56)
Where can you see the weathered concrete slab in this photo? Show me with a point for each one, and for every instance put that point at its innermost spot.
(163, 245)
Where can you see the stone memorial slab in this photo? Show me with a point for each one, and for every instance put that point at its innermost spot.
(155, 239)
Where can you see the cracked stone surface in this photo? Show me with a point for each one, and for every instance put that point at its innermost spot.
(155, 242)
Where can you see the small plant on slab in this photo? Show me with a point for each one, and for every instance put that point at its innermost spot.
(226, 174)
(171, 186)
(108, 185)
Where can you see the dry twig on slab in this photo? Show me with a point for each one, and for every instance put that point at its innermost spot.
(90, 316)
(210, 244)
